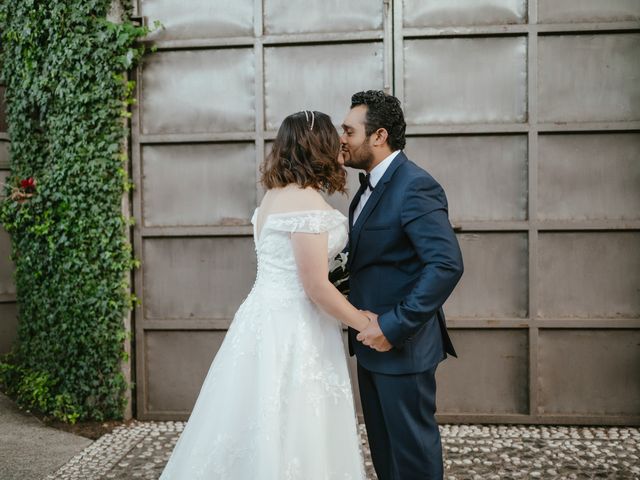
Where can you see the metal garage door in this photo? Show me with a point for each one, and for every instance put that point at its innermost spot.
(528, 114)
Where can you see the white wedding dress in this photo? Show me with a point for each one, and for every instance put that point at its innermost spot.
(276, 403)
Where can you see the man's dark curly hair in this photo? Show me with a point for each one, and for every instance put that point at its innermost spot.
(383, 111)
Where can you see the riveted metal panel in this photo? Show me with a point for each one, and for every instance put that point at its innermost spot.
(571, 11)
(200, 184)
(283, 16)
(200, 91)
(321, 77)
(589, 274)
(490, 375)
(495, 280)
(201, 278)
(484, 177)
(589, 176)
(592, 78)
(465, 80)
(429, 13)
(8, 326)
(199, 18)
(589, 372)
(172, 354)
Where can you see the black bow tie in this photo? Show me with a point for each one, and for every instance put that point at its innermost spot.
(365, 181)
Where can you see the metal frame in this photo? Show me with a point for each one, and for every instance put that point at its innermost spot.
(259, 137)
(532, 225)
(393, 36)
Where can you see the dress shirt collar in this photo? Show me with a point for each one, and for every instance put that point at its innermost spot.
(378, 170)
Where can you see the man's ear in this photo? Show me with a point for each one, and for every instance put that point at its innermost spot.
(380, 137)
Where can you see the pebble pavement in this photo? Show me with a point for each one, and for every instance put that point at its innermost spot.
(474, 452)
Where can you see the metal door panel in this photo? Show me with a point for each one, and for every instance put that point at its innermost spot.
(586, 78)
(4, 159)
(319, 77)
(3, 108)
(465, 80)
(8, 325)
(201, 91)
(284, 16)
(591, 372)
(571, 11)
(490, 375)
(7, 268)
(197, 278)
(440, 13)
(589, 176)
(199, 18)
(180, 362)
(199, 184)
(495, 282)
(484, 177)
(589, 275)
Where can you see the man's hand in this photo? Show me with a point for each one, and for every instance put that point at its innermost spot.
(372, 336)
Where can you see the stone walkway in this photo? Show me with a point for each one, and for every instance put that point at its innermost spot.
(498, 452)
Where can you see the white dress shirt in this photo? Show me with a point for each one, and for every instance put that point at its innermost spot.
(376, 175)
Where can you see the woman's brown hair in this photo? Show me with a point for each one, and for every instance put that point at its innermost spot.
(305, 152)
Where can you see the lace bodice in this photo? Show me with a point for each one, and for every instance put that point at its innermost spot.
(276, 262)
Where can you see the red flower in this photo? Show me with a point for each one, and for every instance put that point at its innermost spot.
(28, 183)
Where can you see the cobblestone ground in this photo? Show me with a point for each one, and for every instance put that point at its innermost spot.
(498, 452)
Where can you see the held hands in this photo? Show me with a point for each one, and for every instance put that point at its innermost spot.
(372, 335)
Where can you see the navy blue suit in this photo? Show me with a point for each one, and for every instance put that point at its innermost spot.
(404, 262)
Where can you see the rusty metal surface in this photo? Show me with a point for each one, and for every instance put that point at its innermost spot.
(589, 78)
(570, 11)
(436, 13)
(589, 176)
(589, 274)
(199, 19)
(203, 278)
(200, 91)
(465, 80)
(589, 371)
(180, 361)
(489, 376)
(319, 77)
(284, 16)
(495, 283)
(199, 184)
(485, 177)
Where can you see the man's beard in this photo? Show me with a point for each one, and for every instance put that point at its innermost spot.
(360, 158)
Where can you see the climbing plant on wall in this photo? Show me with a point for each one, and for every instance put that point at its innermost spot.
(64, 66)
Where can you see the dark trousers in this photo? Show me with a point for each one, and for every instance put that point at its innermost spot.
(403, 434)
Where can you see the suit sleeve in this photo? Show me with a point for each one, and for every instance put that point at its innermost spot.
(425, 221)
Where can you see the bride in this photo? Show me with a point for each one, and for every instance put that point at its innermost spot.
(276, 403)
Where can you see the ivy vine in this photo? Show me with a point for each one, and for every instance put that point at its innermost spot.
(64, 66)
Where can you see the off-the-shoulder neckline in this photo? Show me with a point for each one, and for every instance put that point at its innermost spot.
(293, 212)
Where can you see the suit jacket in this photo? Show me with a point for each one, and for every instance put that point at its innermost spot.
(404, 262)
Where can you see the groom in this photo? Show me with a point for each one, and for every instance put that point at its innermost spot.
(404, 262)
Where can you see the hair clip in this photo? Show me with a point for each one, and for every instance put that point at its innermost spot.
(313, 117)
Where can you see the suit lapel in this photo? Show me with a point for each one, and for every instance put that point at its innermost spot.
(377, 193)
